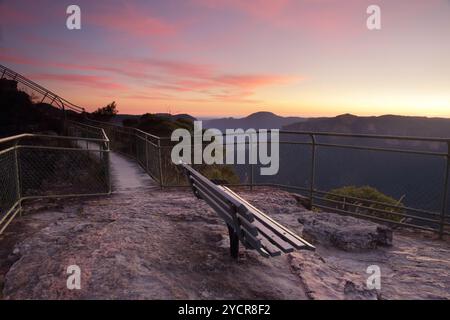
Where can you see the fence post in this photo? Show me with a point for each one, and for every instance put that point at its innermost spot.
(107, 166)
(313, 170)
(445, 197)
(146, 153)
(64, 118)
(160, 164)
(136, 139)
(18, 184)
(250, 161)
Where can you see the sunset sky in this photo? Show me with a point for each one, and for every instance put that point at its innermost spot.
(235, 57)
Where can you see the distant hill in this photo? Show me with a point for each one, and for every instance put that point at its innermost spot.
(382, 125)
(258, 120)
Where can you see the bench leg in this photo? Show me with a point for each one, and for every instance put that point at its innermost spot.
(234, 242)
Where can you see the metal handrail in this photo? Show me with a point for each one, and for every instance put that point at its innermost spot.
(28, 135)
(128, 128)
(15, 207)
(63, 103)
(102, 131)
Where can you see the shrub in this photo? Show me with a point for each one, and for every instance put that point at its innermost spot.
(105, 113)
(359, 200)
(224, 174)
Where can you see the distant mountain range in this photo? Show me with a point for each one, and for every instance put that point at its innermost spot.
(258, 120)
(382, 125)
(346, 123)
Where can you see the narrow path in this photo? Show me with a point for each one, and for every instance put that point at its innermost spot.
(127, 175)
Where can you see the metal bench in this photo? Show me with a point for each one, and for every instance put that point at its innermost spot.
(245, 223)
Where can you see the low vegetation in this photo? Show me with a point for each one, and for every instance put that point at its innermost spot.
(158, 125)
(365, 200)
(105, 113)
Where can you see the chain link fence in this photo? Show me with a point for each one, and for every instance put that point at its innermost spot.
(45, 166)
(9, 187)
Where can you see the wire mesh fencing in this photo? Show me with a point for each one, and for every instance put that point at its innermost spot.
(46, 166)
(9, 186)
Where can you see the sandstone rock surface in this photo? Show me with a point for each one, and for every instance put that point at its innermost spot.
(144, 243)
(344, 232)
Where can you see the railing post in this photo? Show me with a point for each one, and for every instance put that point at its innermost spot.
(251, 177)
(146, 154)
(313, 170)
(64, 118)
(160, 165)
(445, 197)
(45, 96)
(106, 153)
(18, 184)
(250, 161)
(136, 139)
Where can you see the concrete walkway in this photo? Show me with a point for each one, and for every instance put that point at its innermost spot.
(127, 175)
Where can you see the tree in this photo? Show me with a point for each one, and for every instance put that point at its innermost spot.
(105, 113)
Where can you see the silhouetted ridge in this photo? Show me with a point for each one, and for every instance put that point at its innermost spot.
(257, 120)
(381, 125)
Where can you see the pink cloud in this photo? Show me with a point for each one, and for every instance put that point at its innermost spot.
(13, 57)
(131, 21)
(262, 9)
(255, 80)
(11, 15)
(83, 80)
(18, 59)
(320, 18)
(329, 19)
(167, 77)
(174, 68)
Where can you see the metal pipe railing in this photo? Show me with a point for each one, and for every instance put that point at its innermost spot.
(63, 104)
(28, 168)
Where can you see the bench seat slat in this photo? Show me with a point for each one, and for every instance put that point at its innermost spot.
(204, 181)
(261, 245)
(270, 248)
(223, 211)
(285, 233)
(273, 237)
(219, 193)
(226, 206)
(220, 211)
(296, 243)
(247, 225)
